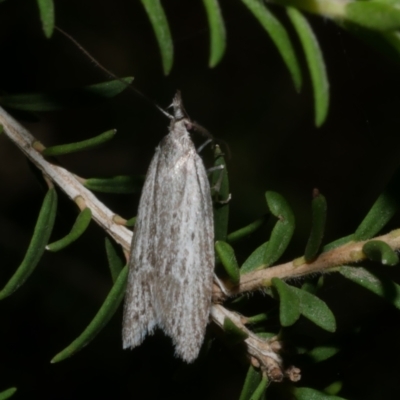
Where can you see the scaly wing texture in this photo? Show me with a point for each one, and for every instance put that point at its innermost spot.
(184, 273)
(172, 254)
(139, 317)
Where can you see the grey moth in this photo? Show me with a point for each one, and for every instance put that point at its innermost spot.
(172, 252)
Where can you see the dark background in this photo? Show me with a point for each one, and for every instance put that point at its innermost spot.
(248, 101)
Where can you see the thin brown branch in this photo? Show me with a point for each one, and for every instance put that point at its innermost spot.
(349, 253)
(265, 351)
(68, 182)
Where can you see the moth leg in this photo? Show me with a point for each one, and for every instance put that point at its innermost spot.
(206, 143)
(217, 187)
(224, 289)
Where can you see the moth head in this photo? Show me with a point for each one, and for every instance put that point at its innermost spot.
(179, 109)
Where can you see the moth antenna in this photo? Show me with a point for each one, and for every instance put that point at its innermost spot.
(109, 73)
(168, 115)
(203, 131)
(180, 112)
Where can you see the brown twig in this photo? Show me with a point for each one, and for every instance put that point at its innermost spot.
(67, 181)
(349, 253)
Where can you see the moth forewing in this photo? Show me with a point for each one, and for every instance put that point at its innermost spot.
(172, 253)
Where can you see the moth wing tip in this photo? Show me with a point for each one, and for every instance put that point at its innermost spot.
(186, 353)
(133, 336)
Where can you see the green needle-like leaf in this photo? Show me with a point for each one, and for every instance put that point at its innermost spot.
(116, 184)
(6, 394)
(294, 301)
(378, 216)
(159, 21)
(80, 146)
(255, 319)
(107, 310)
(253, 379)
(377, 250)
(245, 231)
(46, 10)
(317, 227)
(217, 31)
(68, 98)
(114, 261)
(374, 15)
(322, 353)
(266, 335)
(79, 227)
(305, 393)
(108, 89)
(334, 388)
(220, 184)
(289, 307)
(283, 229)
(256, 259)
(315, 63)
(40, 237)
(315, 310)
(228, 259)
(376, 283)
(279, 36)
(233, 334)
(131, 222)
(260, 389)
